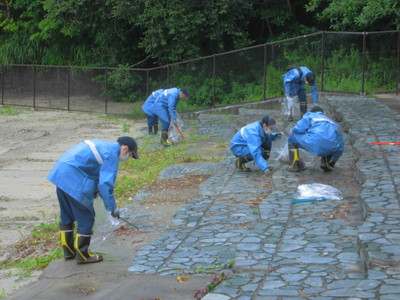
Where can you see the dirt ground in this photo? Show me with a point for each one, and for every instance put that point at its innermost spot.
(30, 145)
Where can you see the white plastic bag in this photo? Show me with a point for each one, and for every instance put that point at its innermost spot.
(317, 190)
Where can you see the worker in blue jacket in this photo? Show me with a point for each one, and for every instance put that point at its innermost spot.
(164, 107)
(88, 168)
(293, 82)
(319, 135)
(254, 142)
(147, 107)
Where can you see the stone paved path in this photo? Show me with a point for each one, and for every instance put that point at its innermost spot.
(337, 249)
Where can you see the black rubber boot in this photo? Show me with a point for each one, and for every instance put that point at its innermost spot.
(164, 139)
(150, 129)
(67, 240)
(325, 165)
(240, 163)
(83, 254)
(303, 108)
(155, 129)
(294, 159)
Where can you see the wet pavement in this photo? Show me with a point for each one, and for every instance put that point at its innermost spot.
(282, 250)
(244, 224)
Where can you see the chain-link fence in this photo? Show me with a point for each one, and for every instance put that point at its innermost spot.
(354, 62)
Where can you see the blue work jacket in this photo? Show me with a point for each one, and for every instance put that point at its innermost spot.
(165, 105)
(79, 174)
(249, 140)
(147, 107)
(319, 135)
(293, 82)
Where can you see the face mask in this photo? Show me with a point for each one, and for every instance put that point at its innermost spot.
(268, 131)
(123, 158)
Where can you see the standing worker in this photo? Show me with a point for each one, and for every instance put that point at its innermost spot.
(254, 142)
(164, 107)
(294, 81)
(319, 135)
(86, 169)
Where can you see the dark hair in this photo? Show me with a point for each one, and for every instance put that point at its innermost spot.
(317, 108)
(310, 78)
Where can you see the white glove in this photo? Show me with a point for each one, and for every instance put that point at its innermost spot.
(115, 213)
(175, 122)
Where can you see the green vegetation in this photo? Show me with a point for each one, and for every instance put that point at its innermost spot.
(43, 238)
(9, 111)
(136, 174)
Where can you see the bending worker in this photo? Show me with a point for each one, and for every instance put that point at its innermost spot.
(164, 107)
(319, 135)
(294, 81)
(87, 168)
(254, 142)
(147, 107)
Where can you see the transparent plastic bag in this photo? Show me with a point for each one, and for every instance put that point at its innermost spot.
(290, 107)
(281, 148)
(317, 190)
(173, 133)
(286, 106)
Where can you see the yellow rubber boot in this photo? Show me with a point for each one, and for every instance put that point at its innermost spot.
(295, 164)
(83, 254)
(67, 240)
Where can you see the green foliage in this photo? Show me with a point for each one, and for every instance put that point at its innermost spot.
(358, 15)
(123, 85)
(9, 111)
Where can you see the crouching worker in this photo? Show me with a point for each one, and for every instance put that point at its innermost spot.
(319, 135)
(254, 142)
(87, 168)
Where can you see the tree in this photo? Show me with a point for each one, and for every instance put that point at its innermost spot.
(357, 15)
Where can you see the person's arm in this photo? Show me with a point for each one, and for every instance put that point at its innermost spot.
(108, 175)
(172, 102)
(314, 93)
(301, 126)
(254, 143)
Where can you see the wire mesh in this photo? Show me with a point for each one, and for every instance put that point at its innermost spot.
(355, 62)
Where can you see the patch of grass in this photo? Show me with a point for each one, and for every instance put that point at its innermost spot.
(136, 174)
(37, 251)
(9, 111)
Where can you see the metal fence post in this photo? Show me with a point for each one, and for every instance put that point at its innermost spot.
(2, 84)
(168, 74)
(147, 82)
(265, 72)
(322, 61)
(363, 63)
(105, 88)
(68, 88)
(34, 87)
(398, 63)
(214, 67)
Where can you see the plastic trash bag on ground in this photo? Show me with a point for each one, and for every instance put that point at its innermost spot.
(317, 190)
